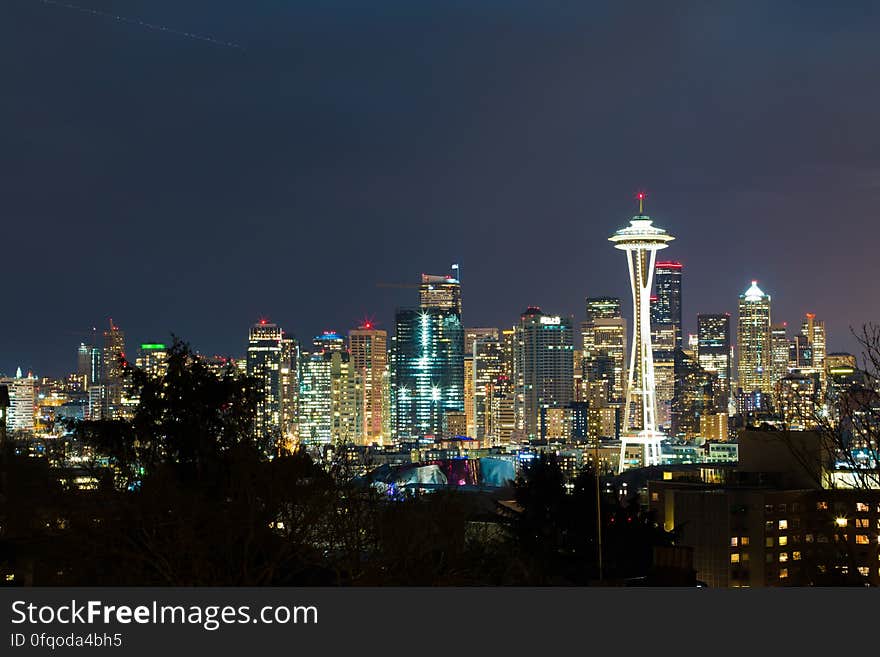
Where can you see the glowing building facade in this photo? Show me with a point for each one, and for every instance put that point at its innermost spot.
(369, 360)
(545, 366)
(264, 365)
(753, 340)
(713, 352)
(428, 379)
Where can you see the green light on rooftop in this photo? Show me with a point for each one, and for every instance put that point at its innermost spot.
(153, 346)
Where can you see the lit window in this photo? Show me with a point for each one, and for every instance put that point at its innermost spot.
(783, 557)
(783, 524)
(840, 521)
(862, 539)
(768, 542)
(821, 506)
(863, 571)
(734, 558)
(734, 541)
(808, 538)
(862, 522)
(862, 507)
(769, 525)
(795, 556)
(744, 540)
(783, 573)
(783, 540)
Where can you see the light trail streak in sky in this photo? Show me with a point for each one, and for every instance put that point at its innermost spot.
(144, 24)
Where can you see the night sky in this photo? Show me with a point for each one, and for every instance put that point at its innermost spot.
(178, 185)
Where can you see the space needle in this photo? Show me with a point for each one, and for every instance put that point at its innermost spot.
(641, 241)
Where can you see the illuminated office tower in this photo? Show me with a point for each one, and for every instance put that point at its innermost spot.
(428, 372)
(4, 412)
(800, 355)
(641, 240)
(604, 345)
(315, 400)
(20, 414)
(471, 335)
(602, 308)
(289, 381)
(814, 330)
(489, 385)
(666, 305)
(713, 352)
(753, 338)
(112, 374)
(152, 358)
(369, 359)
(328, 341)
(694, 396)
(264, 366)
(663, 342)
(443, 292)
(780, 349)
(546, 368)
(88, 364)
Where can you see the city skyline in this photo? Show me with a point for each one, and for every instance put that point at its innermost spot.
(289, 178)
(239, 351)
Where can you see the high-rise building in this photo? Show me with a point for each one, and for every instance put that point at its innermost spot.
(602, 308)
(428, 372)
(315, 417)
(152, 358)
(713, 352)
(264, 366)
(470, 336)
(666, 306)
(111, 379)
(490, 385)
(330, 404)
(603, 337)
(443, 292)
(289, 381)
(545, 367)
(753, 338)
(694, 396)
(814, 330)
(20, 414)
(369, 359)
(641, 240)
(780, 353)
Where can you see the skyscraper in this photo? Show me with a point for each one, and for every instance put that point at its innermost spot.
(289, 381)
(641, 240)
(20, 414)
(369, 359)
(428, 373)
(152, 358)
(780, 355)
(753, 338)
(109, 396)
(713, 352)
(604, 346)
(814, 330)
(546, 368)
(666, 306)
(264, 365)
